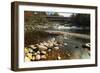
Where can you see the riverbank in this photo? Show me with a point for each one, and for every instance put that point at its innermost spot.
(56, 45)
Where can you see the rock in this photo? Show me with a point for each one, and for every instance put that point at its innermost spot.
(29, 55)
(56, 48)
(43, 57)
(59, 58)
(33, 58)
(32, 46)
(48, 41)
(30, 50)
(60, 42)
(88, 44)
(41, 44)
(60, 39)
(50, 45)
(38, 52)
(35, 53)
(27, 59)
(44, 52)
(49, 50)
(26, 50)
(38, 57)
(55, 44)
(65, 44)
(68, 54)
(60, 45)
(53, 39)
(41, 47)
(45, 44)
(65, 37)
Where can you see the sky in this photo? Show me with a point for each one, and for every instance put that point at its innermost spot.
(62, 14)
(65, 14)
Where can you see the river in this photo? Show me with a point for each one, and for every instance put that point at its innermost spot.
(74, 43)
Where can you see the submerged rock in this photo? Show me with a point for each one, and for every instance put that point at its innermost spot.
(65, 44)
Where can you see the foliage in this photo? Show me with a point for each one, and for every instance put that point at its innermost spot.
(80, 20)
(54, 14)
(34, 20)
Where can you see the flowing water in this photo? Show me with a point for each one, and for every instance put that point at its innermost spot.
(74, 44)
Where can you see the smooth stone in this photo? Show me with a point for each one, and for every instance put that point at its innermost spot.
(35, 53)
(45, 44)
(33, 46)
(43, 57)
(30, 50)
(56, 48)
(68, 54)
(65, 44)
(27, 59)
(55, 44)
(53, 39)
(44, 52)
(42, 47)
(59, 58)
(41, 44)
(29, 55)
(38, 52)
(49, 50)
(33, 58)
(50, 45)
(87, 44)
(26, 50)
(38, 57)
(65, 37)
